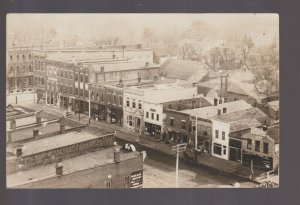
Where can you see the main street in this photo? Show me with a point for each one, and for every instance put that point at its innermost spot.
(159, 168)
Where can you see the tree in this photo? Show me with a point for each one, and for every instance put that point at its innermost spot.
(214, 58)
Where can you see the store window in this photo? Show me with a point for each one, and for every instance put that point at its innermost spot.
(224, 150)
(217, 149)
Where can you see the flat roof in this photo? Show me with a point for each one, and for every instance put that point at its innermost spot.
(27, 133)
(75, 164)
(211, 111)
(57, 141)
(23, 122)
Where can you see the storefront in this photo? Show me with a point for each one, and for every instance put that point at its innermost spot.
(152, 129)
(259, 161)
(235, 150)
(176, 136)
(114, 116)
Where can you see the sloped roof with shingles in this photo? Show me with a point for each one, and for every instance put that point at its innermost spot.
(191, 71)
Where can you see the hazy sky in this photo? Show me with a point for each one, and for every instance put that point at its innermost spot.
(91, 25)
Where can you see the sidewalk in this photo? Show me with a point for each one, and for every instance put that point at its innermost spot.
(225, 166)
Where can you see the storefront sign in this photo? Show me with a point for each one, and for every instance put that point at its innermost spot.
(136, 179)
(152, 110)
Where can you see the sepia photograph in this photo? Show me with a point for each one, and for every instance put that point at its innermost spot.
(115, 101)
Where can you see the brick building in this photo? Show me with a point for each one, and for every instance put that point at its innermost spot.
(22, 65)
(106, 168)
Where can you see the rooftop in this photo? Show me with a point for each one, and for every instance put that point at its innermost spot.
(120, 66)
(57, 141)
(272, 132)
(241, 116)
(192, 71)
(27, 133)
(274, 105)
(211, 111)
(82, 162)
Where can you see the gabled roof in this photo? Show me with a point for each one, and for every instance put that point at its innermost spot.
(192, 71)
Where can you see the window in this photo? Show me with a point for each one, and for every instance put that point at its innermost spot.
(140, 106)
(152, 116)
(18, 57)
(66, 74)
(217, 149)
(171, 122)
(249, 144)
(76, 77)
(217, 133)
(208, 131)
(224, 150)
(30, 68)
(102, 97)
(257, 146)
(223, 135)
(266, 148)
(108, 98)
(107, 184)
(183, 124)
(120, 100)
(127, 181)
(157, 117)
(170, 106)
(71, 75)
(115, 99)
(133, 104)
(81, 92)
(76, 91)
(81, 78)
(71, 90)
(147, 114)
(86, 79)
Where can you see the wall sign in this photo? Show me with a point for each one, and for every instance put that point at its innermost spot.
(136, 179)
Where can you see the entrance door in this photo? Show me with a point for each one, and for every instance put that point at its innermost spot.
(234, 154)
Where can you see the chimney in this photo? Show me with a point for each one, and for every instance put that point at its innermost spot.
(35, 133)
(59, 169)
(117, 155)
(13, 124)
(219, 112)
(19, 152)
(62, 128)
(224, 110)
(147, 65)
(215, 102)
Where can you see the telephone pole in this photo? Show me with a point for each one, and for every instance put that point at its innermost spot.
(178, 149)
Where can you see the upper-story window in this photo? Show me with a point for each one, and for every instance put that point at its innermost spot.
(133, 104)
(171, 121)
(140, 106)
(157, 117)
(147, 114)
(127, 103)
(257, 145)
(120, 100)
(183, 124)
(81, 78)
(217, 133)
(11, 57)
(266, 148)
(102, 97)
(18, 57)
(66, 73)
(71, 75)
(23, 57)
(249, 144)
(29, 56)
(115, 99)
(223, 135)
(61, 73)
(30, 68)
(152, 116)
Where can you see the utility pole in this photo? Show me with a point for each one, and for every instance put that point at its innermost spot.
(178, 148)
